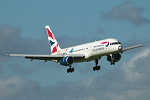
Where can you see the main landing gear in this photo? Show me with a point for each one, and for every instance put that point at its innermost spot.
(70, 70)
(112, 62)
(96, 67)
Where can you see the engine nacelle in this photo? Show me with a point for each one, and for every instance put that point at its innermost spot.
(66, 61)
(115, 57)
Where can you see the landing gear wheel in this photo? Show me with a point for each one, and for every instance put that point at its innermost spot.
(70, 70)
(112, 63)
(96, 68)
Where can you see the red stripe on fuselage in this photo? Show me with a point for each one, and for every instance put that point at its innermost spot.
(104, 42)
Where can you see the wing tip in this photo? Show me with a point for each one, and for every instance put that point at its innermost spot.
(141, 45)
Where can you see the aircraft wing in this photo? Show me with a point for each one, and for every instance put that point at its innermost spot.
(132, 47)
(55, 58)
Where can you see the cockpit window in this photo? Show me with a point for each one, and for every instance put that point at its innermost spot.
(115, 43)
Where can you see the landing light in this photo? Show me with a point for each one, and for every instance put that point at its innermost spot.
(120, 47)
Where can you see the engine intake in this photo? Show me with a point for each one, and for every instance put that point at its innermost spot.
(66, 61)
(115, 57)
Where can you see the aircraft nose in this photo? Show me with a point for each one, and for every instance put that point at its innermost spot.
(119, 47)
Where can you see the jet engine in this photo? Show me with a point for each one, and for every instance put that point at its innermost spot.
(115, 57)
(66, 61)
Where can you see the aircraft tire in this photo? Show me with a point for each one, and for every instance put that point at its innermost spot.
(112, 63)
(72, 69)
(94, 68)
(68, 70)
(98, 67)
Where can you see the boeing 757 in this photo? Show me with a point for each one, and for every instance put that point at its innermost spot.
(111, 48)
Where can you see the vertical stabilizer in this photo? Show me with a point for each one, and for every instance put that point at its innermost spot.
(53, 43)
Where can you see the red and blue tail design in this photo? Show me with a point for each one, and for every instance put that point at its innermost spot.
(53, 43)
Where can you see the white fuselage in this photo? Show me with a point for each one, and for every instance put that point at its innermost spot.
(93, 50)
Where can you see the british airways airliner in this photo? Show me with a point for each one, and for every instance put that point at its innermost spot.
(111, 48)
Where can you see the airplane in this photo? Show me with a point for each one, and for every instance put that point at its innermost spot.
(111, 48)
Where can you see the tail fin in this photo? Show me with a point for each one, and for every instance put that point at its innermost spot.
(53, 43)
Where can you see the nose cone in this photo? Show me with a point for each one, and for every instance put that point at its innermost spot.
(120, 48)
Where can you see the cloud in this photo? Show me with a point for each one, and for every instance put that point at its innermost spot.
(132, 69)
(65, 41)
(16, 88)
(126, 11)
(118, 84)
(101, 30)
(12, 42)
(129, 81)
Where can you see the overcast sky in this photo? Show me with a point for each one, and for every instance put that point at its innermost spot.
(74, 22)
